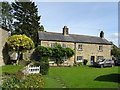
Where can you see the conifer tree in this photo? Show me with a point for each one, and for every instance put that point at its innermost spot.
(41, 28)
(6, 15)
(26, 19)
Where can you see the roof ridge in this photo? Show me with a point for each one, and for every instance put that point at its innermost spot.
(72, 34)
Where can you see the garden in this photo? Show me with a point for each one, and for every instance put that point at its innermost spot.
(16, 74)
(64, 77)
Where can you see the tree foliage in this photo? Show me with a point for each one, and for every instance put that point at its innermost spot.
(20, 44)
(115, 51)
(57, 52)
(26, 19)
(44, 51)
(6, 15)
(41, 28)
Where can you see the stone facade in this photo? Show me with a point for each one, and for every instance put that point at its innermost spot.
(88, 51)
(4, 37)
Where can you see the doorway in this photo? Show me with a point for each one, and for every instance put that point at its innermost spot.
(92, 60)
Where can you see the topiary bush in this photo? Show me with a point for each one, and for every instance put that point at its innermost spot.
(33, 81)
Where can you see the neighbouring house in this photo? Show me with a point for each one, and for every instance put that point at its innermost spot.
(91, 48)
(3, 47)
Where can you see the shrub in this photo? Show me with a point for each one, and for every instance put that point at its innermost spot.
(77, 64)
(44, 67)
(24, 63)
(33, 81)
(85, 61)
(11, 82)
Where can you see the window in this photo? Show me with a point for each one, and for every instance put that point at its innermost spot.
(100, 48)
(51, 60)
(80, 58)
(52, 44)
(64, 45)
(80, 47)
(65, 59)
(100, 57)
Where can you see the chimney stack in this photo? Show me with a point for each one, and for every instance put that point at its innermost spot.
(102, 34)
(65, 30)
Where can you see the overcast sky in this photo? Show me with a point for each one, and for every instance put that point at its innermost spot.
(84, 18)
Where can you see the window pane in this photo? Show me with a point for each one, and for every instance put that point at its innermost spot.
(64, 45)
(100, 48)
(79, 57)
(80, 47)
(100, 57)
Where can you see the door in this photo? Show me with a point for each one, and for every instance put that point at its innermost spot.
(92, 60)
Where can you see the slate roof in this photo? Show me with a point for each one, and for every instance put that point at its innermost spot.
(72, 38)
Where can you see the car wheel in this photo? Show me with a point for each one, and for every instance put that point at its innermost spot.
(102, 66)
(112, 65)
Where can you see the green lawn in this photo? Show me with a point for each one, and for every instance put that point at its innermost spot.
(77, 77)
(83, 77)
(10, 68)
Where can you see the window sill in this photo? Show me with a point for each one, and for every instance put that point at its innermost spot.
(100, 50)
(79, 61)
(80, 49)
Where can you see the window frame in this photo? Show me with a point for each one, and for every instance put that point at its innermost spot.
(65, 59)
(80, 47)
(100, 57)
(52, 45)
(79, 60)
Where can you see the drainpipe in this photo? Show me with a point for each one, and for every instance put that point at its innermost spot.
(75, 53)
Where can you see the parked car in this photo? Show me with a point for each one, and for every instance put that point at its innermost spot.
(104, 63)
(117, 62)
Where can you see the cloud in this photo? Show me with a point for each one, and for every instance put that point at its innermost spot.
(113, 38)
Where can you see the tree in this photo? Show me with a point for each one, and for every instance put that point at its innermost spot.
(43, 52)
(26, 19)
(6, 15)
(41, 55)
(41, 28)
(59, 53)
(115, 51)
(20, 44)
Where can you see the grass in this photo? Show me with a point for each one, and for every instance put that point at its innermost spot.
(77, 77)
(10, 68)
(83, 77)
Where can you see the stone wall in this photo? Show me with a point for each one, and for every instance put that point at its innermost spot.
(88, 50)
(3, 39)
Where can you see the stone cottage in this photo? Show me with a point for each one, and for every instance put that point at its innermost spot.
(91, 48)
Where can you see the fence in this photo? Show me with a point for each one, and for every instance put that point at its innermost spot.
(33, 69)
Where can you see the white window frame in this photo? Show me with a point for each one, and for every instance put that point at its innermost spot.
(65, 59)
(51, 62)
(80, 47)
(80, 60)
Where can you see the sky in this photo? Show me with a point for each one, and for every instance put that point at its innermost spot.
(84, 18)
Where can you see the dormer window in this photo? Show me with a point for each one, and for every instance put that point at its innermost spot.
(100, 48)
(80, 47)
